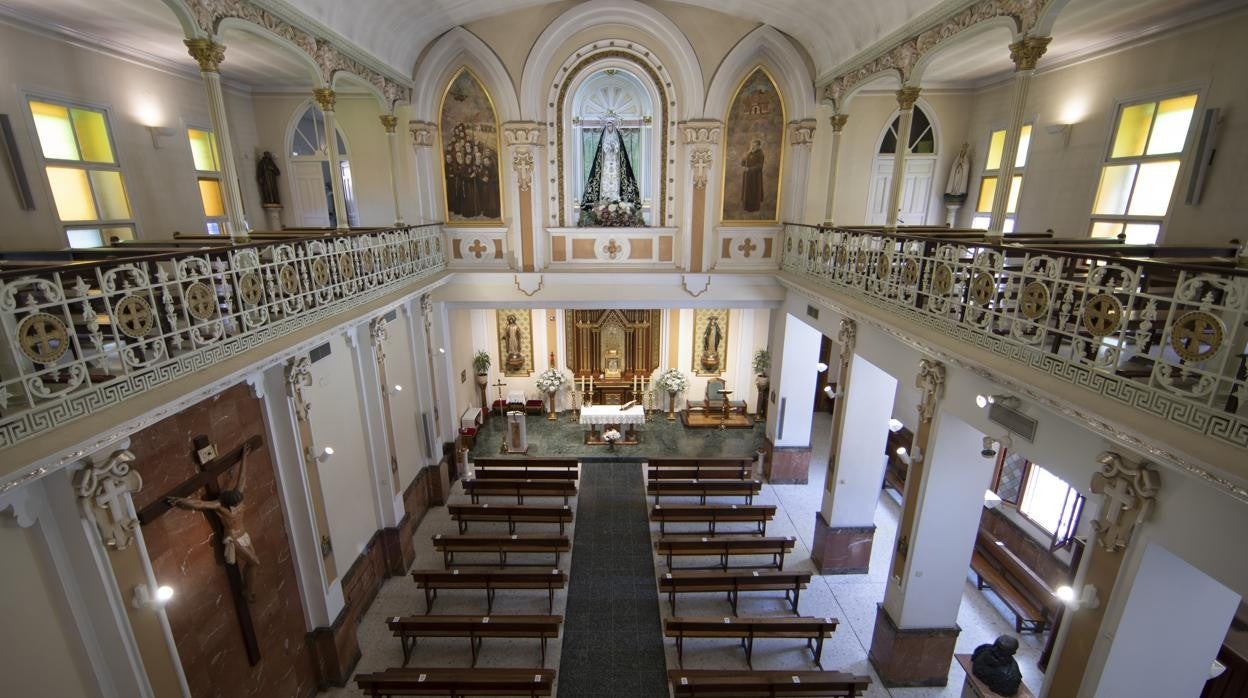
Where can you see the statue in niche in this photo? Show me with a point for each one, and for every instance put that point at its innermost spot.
(752, 178)
(959, 174)
(512, 343)
(711, 337)
(266, 177)
(995, 665)
(611, 195)
(228, 508)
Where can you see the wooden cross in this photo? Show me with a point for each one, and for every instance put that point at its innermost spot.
(207, 480)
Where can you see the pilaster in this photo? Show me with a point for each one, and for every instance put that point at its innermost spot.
(522, 139)
(700, 139)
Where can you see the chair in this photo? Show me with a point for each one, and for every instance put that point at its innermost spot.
(714, 398)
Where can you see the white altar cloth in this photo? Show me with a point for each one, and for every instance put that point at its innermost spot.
(611, 414)
(515, 397)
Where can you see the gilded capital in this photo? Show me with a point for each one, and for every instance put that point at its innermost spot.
(1027, 53)
(324, 97)
(838, 122)
(906, 97)
(389, 122)
(207, 53)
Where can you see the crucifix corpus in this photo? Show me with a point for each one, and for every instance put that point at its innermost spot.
(226, 509)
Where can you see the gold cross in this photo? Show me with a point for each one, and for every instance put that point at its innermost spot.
(747, 247)
(477, 248)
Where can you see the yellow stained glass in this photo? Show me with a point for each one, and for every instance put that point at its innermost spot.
(1115, 188)
(1132, 133)
(56, 136)
(72, 194)
(1153, 187)
(1105, 229)
(987, 190)
(996, 143)
(1024, 144)
(203, 150)
(110, 194)
(1170, 129)
(1142, 233)
(84, 237)
(1016, 185)
(210, 194)
(92, 135)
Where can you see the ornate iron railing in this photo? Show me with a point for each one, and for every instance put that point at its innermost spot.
(1167, 339)
(82, 337)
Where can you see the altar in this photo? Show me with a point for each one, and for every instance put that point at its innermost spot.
(602, 417)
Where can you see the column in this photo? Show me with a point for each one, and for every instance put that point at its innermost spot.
(797, 170)
(325, 98)
(367, 342)
(906, 98)
(701, 141)
(390, 123)
(209, 55)
(788, 426)
(1025, 54)
(837, 122)
(845, 524)
(428, 172)
(523, 138)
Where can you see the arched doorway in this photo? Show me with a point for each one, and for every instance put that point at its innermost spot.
(916, 190)
(310, 190)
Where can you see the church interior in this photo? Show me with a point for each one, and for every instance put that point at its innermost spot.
(674, 347)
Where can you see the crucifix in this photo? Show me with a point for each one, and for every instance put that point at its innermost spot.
(225, 505)
(502, 406)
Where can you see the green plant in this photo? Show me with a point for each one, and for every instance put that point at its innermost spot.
(481, 362)
(762, 361)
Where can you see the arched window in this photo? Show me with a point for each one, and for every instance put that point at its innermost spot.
(310, 185)
(922, 135)
(618, 95)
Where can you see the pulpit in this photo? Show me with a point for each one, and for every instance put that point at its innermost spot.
(517, 435)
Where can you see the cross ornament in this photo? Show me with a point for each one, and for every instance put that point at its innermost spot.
(1128, 492)
(747, 247)
(102, 494)
(477, 249)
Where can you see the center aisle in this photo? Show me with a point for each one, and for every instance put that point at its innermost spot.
(612, 638)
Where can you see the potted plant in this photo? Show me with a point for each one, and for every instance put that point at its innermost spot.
(481, 366)
(762, 362)
(673, 381)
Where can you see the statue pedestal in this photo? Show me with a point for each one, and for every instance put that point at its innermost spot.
(951, 214)
(974, 688)
(272, 216)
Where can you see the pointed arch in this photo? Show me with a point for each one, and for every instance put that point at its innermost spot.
(343, 76)
(754, 137)
(470, 149)
(769, 48)
(454, 50)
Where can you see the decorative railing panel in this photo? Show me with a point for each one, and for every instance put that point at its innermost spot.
(1163, 338)
(80, 338)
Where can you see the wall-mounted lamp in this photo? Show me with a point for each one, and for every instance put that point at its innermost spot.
(895, 425)
(145, 598)
(325, 454)
(991, 499)
(394, 390)
(1061, 129)
(1009, 401)
(830, 392)
(441, 350)
(159, 132)
(821, 367)
(990, 445)
(1086, 598)
(909, 458)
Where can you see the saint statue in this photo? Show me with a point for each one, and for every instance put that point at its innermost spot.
(995, 665)
(711, 337)
(266, 177)
(611, 175)
(959, 174)
(752, 179)
(228, 508)
(512, 343)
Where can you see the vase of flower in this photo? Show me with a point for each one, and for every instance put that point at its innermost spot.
(611, 436)
(549, 381)
(673, 381)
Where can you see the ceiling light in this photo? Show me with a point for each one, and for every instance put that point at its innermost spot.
(895, 425)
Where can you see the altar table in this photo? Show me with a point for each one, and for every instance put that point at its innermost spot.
(609, 416)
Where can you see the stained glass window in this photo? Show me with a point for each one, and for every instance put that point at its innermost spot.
(992, 173)
(208, 173)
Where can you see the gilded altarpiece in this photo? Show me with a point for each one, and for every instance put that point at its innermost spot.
(622, 343)
(515, 343)
(710, 341)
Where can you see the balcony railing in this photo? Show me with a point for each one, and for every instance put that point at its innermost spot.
(82, 337)
(1165, 338)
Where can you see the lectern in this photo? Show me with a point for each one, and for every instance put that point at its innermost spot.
(517, 435)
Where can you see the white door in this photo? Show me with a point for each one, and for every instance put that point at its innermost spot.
(307, 188)
(916, 190)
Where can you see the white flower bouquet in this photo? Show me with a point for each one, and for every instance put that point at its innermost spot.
(550, 380)
(611, 435)
(612, 214)
(673, 381)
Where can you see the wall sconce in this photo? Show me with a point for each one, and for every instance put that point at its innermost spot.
(325, 454)
(395, 390)
(831, 392)
(821, 367)
(1076, 600)
(1216, 669)
(895, 425)
(144, 598)
(1008, 401)
(159, 132)
(990, 445)
(1061, 129)
(909, 458)
(991, 500)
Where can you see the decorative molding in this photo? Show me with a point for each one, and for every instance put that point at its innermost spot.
(705, 280)
(1129, 491)
(389, 122)
(522, 133)
(207, 53)
(104, 495)
(1027, 53)
(423, 133)
(701, 132)
(255, 380)
(298, 378)
(838, 121)
(522, 167)
(379, 333)
(700, 161)
(325, 98)
(802, 132)
(22, 506)
(931, 382)
(847, 337)
(906, 97)
(527, 288)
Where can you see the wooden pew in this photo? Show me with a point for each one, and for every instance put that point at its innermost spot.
(511, 514)
(704, 488)
(490, 581)
(698, 473)
(713, 515)
(502, 474)
(457, 682)
(766, 684)
(744, 467)
(725, 547)
(746, 630)
(519, 489)
(500, 545)
(525, 463)
(732, 584)
(1023, 591)
(475, 628)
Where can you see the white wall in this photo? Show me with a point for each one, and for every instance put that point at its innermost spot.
(860, 459)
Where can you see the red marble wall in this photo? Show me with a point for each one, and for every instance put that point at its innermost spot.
(186, 555)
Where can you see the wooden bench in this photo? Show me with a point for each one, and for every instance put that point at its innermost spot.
(511, 514)
(490, 581)
(457, 682)
(530, 474)
(475, 628)
(725, 547)
(713, 515)
(744, 467)
(519, 489)
(500, 545)
(698, 473)
(704, 488)
(812, 630)
(1022, 591)
(732, 584)
(766, 684)
(526, 463)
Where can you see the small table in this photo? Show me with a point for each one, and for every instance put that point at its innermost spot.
(611, 416)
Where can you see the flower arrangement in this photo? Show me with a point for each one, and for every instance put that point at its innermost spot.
(672, 380)
(612, 214)
(550, 380)
(611, 435)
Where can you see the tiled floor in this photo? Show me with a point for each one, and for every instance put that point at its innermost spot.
(850, 598)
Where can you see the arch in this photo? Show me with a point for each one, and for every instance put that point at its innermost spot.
(995, 24)
(1048, 16)
(242, 25)
(292, 175)
(444, 148)
(929, 113)
(185, 17)
(767, 47)
(776, 182)
(888, 75)
(456, 49)
(344, 76)
(686, 71)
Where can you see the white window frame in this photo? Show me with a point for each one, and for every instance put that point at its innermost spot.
(1011, 219)
(222, 220)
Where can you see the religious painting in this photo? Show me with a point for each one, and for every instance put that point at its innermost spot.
(753, 152)
(470, 151)
(710, 341)
(515, 341)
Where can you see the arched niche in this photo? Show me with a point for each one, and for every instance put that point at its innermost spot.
(308, 170)
(921, 173)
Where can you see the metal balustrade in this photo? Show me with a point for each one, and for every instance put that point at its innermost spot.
(82, 337)
(1167, 339)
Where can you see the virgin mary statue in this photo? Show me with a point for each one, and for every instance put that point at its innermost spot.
(611, 175)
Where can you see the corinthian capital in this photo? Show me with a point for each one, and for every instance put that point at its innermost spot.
(422, 133)
(390, 122)
(1027, 53)
(802, 132)
(207, 53)
(325, 98)
(837, 121)
(906, 97)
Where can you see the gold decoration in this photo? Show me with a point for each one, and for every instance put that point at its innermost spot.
(942, 280)
(983, 288)
(910, 272)
(906, 97)
(838, 122)
(288, 279)
(134, 316)
(346, 270)
(43, 338)
(1102, 314)
(207, 53)
(1035, 300)
(524, 325)
(884, 267)
(325, 98)
(387, 257)
(842, 257)
(320, 272)
(389, 122)
(201, 300)
(250, 288)
(710, 353)
(1027, 52)
(1197, 335)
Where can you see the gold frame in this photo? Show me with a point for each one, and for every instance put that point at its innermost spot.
(701, 318)
(498, 148)
(524, 318)
(723, 152)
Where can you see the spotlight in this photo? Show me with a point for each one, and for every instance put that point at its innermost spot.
(901, 451)
(395, 390)
(1086, 598)
(1008, 401)
(981, 401)
(895, 425)
(144, 598)
(325, 454)
(989, 449)
(821, 367)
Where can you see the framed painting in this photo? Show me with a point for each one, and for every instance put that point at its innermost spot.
(753, 152)
(710, 341)
(468, 126)
(515, 341)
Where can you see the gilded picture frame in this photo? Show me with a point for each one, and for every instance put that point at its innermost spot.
(524, 327)
(755, 114)
(710, 357)
(470, 150)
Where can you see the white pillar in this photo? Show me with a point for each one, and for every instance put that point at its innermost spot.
(209, 55)
(906, 97)
(789, 423)
(390, 122)
(364, 340)
(427, 170)
(1025, 54)
(853, 486)
(325, 98)
(837, 122)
